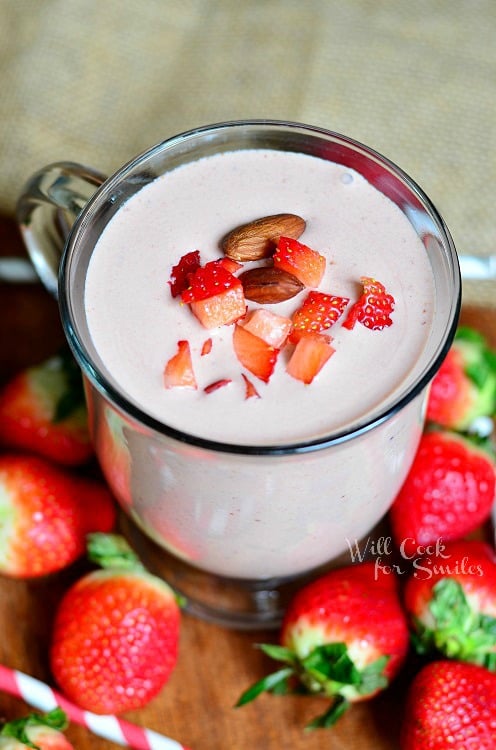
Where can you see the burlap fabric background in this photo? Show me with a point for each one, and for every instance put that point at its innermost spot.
(97, 81)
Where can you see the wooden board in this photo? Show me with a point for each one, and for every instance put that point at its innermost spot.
(215, 664)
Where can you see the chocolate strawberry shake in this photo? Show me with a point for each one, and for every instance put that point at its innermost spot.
(136, 323)
(181, 352)
(258, 309)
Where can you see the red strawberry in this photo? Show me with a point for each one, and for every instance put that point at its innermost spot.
(229, 264)
(45, 516)
(116, 631)
(178, 372)
(306, 264)
(96, 504)
(451, 601)
(273, 329)
(216, 296)
(465, 385)
(318, 312)
(250, 390)
(344, 636)
(42, 410)
(310, 355)
(374, 307)
(216, 385)
(39, 731)
(111, 442)
(448, 492)
(254, 353)
(179, 278)
(451, 705)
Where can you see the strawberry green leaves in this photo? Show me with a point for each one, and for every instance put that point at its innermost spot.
(458, 631)
(19, 728)
(327, 670)
(464, 389)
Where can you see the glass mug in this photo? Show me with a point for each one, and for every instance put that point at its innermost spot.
(235, 529)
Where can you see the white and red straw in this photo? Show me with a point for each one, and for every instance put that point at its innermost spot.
(39, 695)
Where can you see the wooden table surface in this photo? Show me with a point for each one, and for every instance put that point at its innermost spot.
(215, 664)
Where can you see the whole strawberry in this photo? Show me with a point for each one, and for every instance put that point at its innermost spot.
(46, 514)
(450, 599)
(44, 732)
(448, 492)
(465, 385)
(116, 631)
(451, 705)
(42, 410)
(344, 636)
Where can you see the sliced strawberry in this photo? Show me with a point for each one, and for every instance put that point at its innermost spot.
(216, 296)
(207, 347)
(208, 281)
(254, 353)
(373, 308)
(318, 312)
(303, 262)
(216, 385)
(178, 371)
(250, 390)
(229, 264)
(310, 355)
(273, 329)
(180, 273)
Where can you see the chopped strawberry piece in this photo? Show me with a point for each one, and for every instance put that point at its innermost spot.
(373, 308)
(216, 385)
(215, 295)
(178, 371)
(303, 262)
(179, 278)
(221, 309)
(310, 355)
(318, 312)
(254, 353)
(208, 281)
(207, 347)
(273, 329)
(229, 264)
(250, 390)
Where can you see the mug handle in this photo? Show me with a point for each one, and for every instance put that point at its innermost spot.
(47, 208)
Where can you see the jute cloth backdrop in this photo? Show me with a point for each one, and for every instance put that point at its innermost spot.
(98, 81)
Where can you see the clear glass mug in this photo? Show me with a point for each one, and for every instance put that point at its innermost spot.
(235, 548)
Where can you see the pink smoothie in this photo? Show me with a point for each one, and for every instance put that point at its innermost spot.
(135, 323)
(250, 516)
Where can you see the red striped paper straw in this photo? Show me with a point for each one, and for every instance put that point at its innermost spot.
(39, 695)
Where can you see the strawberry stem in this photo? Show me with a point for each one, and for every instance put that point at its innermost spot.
(459, 631)
(329, 717)
(273, 683)
(112, 551)
(55, 719)
(327, 670)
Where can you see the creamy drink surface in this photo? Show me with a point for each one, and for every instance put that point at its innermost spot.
(135, 323)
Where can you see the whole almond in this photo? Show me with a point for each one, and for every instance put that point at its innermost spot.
(257, 239)
(268, 285)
